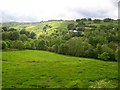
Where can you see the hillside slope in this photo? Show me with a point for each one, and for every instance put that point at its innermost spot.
(41, 69)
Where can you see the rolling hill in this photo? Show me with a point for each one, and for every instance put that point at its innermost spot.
(41, 69)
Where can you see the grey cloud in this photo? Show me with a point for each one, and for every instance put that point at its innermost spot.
(77, 12)
(115, 2)
(7, 17)
(93, 14)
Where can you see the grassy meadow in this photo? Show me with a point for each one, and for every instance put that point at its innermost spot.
(60, 54)
(42, 69)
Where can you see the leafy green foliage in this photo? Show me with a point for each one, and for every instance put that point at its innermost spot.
(70, 26)
(17, 45)
(96, 20)
(32, 35)
(63, 49)
(40, 44)
(83, 37)
(14, 35)
(39, 69)
(107, 20)
(104, 56)
(23, 37)
(4, 45)
(23, 31)
(5, 28)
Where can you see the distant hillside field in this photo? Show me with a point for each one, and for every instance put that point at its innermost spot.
(38, 27)
(41, 69)
(55, 25)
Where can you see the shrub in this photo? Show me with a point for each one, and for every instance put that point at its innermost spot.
(104, 56)
(18, 45)
(23, 37)
(63, 49)
(4, 45)
(27, 45)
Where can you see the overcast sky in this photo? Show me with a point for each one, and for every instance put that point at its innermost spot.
(38, 10)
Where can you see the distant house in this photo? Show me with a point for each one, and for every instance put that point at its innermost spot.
(73, 31)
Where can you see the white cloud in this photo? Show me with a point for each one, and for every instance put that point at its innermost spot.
(36, 10)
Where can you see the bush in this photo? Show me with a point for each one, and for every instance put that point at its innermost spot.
(32, 35)
(107, 20)
(55, 48)
(23, 31)
(40, 44)
(18, 45)
(63, 49)
(104, 56)
(5, 36)
(97, 21)
(23, 37)
(4, 45)
(70, 26)
(27, 45)
(32, 45)
(14, 35)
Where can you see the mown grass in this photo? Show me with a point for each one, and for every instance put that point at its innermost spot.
(41, 69)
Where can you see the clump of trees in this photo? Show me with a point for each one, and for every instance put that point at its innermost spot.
(98, 42)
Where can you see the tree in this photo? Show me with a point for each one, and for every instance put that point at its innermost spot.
(96, 20)
(12, 29)
(5, 36)
(40, 44)
(78, 46)
(5, 28)
(63, 48)
(32, 35)
(89, 19)
(23, 37)
(104, 56)
(27, 45)
(77, 20)
(80, 24)
(111, 52)
(23, 31)
(44, 28)
(93, 40)
(55, 48)
(14, 35)
(98, 49)
(32, 45)
(83, 19)
(103, 27)
(67, 36)
(80, 29)
(4, 45)
(107, 20)
(70, 26)
(18, 45)
(8, 44)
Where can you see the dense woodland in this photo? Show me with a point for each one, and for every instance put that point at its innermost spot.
(82, 38)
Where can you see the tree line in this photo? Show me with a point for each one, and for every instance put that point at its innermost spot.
(88, 41)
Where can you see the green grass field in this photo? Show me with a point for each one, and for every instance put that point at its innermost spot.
(38, 27)
(41, 69)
